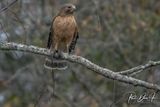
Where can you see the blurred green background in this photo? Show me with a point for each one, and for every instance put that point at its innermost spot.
(116, 34)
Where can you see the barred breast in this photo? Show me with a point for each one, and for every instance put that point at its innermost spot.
(64, 27)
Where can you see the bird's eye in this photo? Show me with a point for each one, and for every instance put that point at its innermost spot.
(69, 7)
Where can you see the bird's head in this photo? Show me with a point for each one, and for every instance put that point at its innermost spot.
(67, 9)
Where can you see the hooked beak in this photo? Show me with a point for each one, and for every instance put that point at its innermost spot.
(74, 8)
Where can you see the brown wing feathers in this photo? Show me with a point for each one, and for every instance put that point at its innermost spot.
(74, 41)
(49, 43)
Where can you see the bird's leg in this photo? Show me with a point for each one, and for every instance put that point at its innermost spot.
(68, 50)
(56, 52)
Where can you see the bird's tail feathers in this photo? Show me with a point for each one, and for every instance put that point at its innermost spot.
(58, 64)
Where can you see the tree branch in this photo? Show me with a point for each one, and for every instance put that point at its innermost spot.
(140, 68)
(84, 62)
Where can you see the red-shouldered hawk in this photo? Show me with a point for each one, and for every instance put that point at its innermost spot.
(63, 36)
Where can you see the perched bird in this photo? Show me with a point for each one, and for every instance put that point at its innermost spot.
(62, 37)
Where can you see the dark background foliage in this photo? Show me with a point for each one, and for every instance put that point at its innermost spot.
(116, 34)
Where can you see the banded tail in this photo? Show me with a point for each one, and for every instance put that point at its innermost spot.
(58, 64)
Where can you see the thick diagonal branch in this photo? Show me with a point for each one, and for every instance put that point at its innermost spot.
(84, 62)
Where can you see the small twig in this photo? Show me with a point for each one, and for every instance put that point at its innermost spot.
(18, 72)
(43, 90)
(18, 20)
(4, 32)
(9, 5)
(87, 86)
(139, 68)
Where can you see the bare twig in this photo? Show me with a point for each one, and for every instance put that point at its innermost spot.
(18, 72)
(139, 68)
(7, 6)
(1, 25)
(82, 61)
(89, 88)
